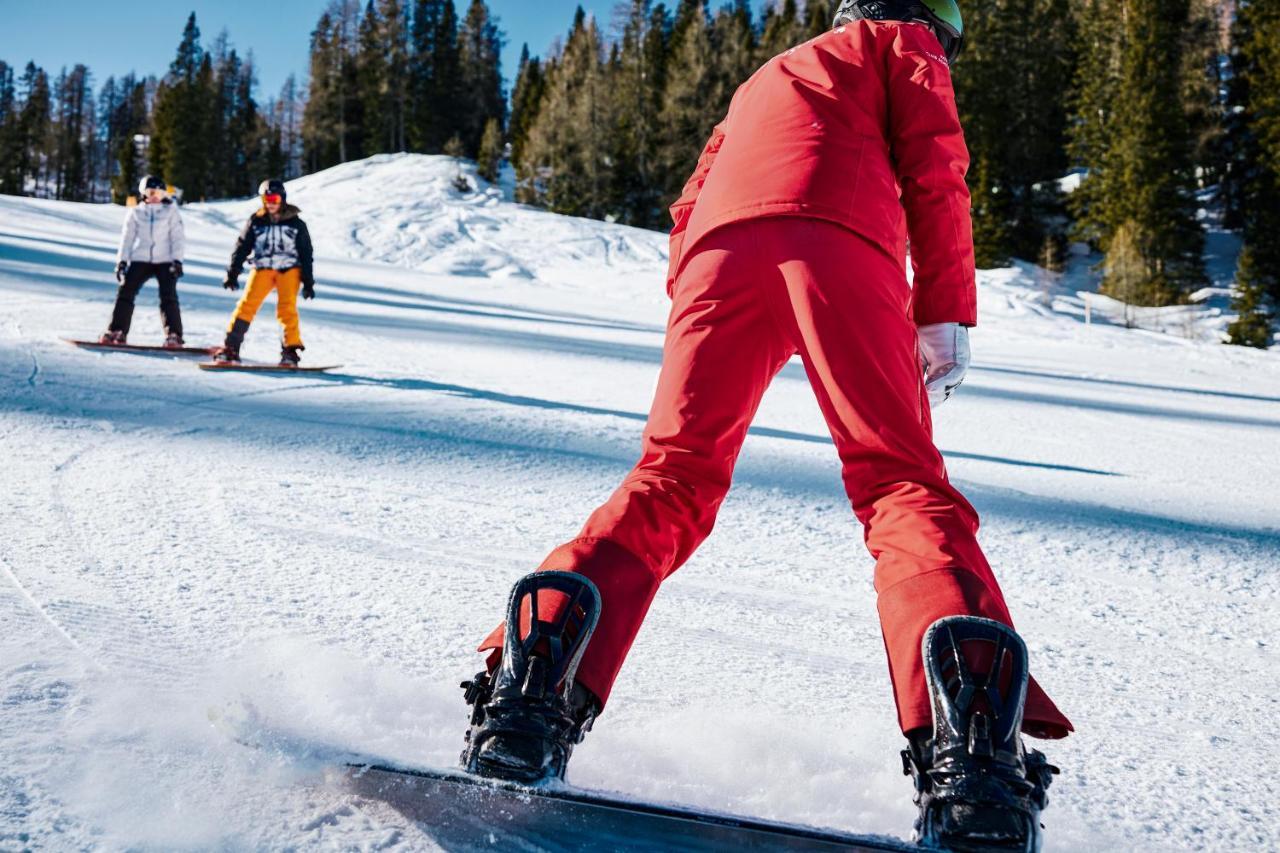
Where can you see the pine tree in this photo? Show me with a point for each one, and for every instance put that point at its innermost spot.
(103, 153)
(1262, 54)
(235, 128)
(635, 189)
(224, 64)
(685, 121)
(382, 63)
(1254, 288)
(204, 129)
(657, 44)
(435, 75)
(321, 118)
(1093, 114)
(395, 40)
(8, 96)
(735, 52)
(345, 86)
(373, 81)
(1127, 270)
(783, 29)
(1252, 176)
(73, 131)
(489, 159)
(446, 86)
(287, 119)
(565, 158)
(34, 131)
(1130, 129)
(423, 22)
(990, 211)
(125, 181)
(480, 70)
(1011, 88)
(332, 123)
(1202, 86)
(10, 138)
(817, 17)
(184, 119)
(249, 133)
(526, 102)
(123, 114)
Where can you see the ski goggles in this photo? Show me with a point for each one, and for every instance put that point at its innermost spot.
(272, 198)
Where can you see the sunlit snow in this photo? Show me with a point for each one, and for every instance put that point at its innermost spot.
(327, 550)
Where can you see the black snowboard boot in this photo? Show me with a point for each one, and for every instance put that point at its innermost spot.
(528, 714)
(229, 352)
(289, 356)
(977, 786)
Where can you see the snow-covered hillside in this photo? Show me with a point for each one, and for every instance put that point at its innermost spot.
(329, 549)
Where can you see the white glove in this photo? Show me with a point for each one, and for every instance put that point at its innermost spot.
(944, 358)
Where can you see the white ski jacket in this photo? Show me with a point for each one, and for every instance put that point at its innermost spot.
(152, 234)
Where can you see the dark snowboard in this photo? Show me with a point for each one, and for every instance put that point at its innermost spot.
(254, 367)
(459, 811)
(95, 345)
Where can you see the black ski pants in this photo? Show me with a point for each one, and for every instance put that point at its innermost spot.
(137, 275)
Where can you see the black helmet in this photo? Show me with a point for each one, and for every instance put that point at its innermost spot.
(943, 16)
(272, 186)
(151, 182)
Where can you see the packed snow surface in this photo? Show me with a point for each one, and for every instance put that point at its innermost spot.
(322, 553)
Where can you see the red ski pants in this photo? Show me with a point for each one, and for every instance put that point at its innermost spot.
(750, 296)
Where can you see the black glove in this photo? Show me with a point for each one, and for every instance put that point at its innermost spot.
(232, 282)
(309, 290)
(176, 269)
(121, 269)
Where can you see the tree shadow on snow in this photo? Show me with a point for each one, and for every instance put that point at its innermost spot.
(48, 268)
(767, 432)
(268, 405)
(1121, 383)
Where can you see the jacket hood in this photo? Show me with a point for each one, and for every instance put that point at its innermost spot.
(287, 211)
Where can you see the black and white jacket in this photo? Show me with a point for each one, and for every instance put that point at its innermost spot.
(281, 243)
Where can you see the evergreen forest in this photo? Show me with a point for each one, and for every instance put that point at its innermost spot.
(1110, 122)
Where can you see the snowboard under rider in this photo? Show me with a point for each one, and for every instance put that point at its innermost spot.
(790, 238)
(152, 244)
(278, 245)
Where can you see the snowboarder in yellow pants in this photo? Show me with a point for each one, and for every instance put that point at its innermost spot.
(280, 246)
(286, 284)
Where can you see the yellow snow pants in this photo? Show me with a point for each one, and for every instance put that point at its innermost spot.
(286, 284)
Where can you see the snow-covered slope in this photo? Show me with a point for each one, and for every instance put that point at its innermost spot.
(329, 549)
(407, 210)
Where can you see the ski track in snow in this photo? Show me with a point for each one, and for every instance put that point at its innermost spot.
(329, 549)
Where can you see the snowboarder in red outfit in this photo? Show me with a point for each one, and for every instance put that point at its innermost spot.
(790, 238)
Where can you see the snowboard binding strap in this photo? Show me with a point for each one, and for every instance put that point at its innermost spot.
(529, 713)
(977, 786)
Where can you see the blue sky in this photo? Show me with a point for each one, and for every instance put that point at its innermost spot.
(140, 36)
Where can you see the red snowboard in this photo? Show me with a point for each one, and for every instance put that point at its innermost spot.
(96, 345)
(256, 367)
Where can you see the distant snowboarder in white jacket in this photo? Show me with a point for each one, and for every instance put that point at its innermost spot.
(152, 243)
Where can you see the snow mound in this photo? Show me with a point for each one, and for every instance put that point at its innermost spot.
(408, 210)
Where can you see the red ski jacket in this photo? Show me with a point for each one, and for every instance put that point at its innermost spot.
(853, 126)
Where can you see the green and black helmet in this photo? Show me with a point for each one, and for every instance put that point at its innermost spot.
(943, 16)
